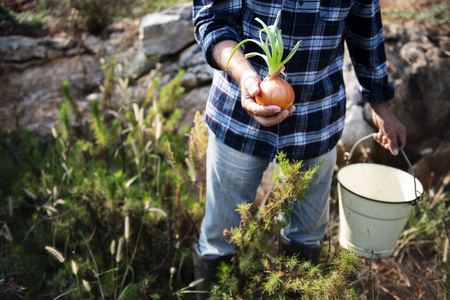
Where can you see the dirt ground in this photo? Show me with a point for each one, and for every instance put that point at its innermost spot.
(407, 4)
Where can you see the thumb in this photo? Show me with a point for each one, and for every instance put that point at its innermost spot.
(394, 147)
(251, 85)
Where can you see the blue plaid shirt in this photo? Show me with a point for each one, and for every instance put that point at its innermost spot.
(315, 71)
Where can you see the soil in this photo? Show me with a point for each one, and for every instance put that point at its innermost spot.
(407, 4)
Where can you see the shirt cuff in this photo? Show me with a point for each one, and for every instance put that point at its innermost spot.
(381, 95)
(212, 39)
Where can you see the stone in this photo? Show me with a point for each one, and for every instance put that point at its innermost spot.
(36, 91)
(92, 44)
(163, 33)
(421, 74)
(20, 49)
(192, 101)
(198, 72)
(355, 126)
(433, 168)
(191, 56)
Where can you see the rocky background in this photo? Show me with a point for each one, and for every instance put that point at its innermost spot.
(32, 69)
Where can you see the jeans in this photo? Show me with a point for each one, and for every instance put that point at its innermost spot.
(233, 177)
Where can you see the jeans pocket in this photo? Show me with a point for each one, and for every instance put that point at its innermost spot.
(334, 10)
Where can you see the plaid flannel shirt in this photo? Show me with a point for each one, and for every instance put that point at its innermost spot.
(315, 71)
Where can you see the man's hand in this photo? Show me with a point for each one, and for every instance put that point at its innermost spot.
(242, 71)
(264, 115)
(390, 128)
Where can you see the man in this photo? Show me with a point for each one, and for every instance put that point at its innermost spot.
(244, 136)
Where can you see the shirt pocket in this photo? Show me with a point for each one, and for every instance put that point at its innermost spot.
(334, 10)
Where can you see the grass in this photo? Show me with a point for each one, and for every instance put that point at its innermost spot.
(437, 13)
(120, 205)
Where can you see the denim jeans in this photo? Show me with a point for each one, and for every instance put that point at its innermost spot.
(233, 177)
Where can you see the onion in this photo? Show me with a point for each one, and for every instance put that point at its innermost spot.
(273, 89)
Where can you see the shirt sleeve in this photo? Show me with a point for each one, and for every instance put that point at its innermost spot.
(215, 21)
(365, 42)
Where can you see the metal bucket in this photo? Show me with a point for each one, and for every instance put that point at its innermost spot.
(375, 203)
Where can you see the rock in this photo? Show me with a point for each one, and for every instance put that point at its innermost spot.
(192, 101)
(198, 72)
(432, 169)
(351, 82)
(197, 75)
(36, 91)
(20, 49)
(421, 74)
(191, 57)
(356, 125)
(166, 33)
(92, 44)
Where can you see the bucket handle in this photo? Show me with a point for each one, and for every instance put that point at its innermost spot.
(348, 156)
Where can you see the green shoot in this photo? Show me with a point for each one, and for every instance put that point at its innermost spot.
(273, 47)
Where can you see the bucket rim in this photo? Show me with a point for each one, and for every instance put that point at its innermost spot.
(412, 201)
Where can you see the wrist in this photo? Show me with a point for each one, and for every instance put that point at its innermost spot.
(380, 108)
(244, 76)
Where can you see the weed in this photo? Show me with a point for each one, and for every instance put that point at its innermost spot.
(258, 274)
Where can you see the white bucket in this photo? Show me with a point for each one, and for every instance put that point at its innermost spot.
(375, 203)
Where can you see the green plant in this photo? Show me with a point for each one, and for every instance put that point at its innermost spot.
(429, 221)
(437, 13)
(117, 179)
(258, 274)
(91, 15)
(273, 54)
(5, 15)
(273, 90)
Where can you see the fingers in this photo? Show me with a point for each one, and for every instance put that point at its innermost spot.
(387, 142)
(274, 119)
(391, 130)
(264, 115)
(391, 141)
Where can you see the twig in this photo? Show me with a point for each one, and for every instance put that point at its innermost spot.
(384, 289)
(192, 221)
(432, 269)
(400, 287)
(447, 237)
(430, 288)
(445, 254)
(405, 273)
(95, 271)
(360, 280)
(414, 261)
(371, 276)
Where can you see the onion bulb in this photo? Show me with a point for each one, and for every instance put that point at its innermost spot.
(273, 89)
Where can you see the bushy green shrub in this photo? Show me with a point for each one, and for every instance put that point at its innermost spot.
(109, 199)
(91, 15)
(257, 272)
